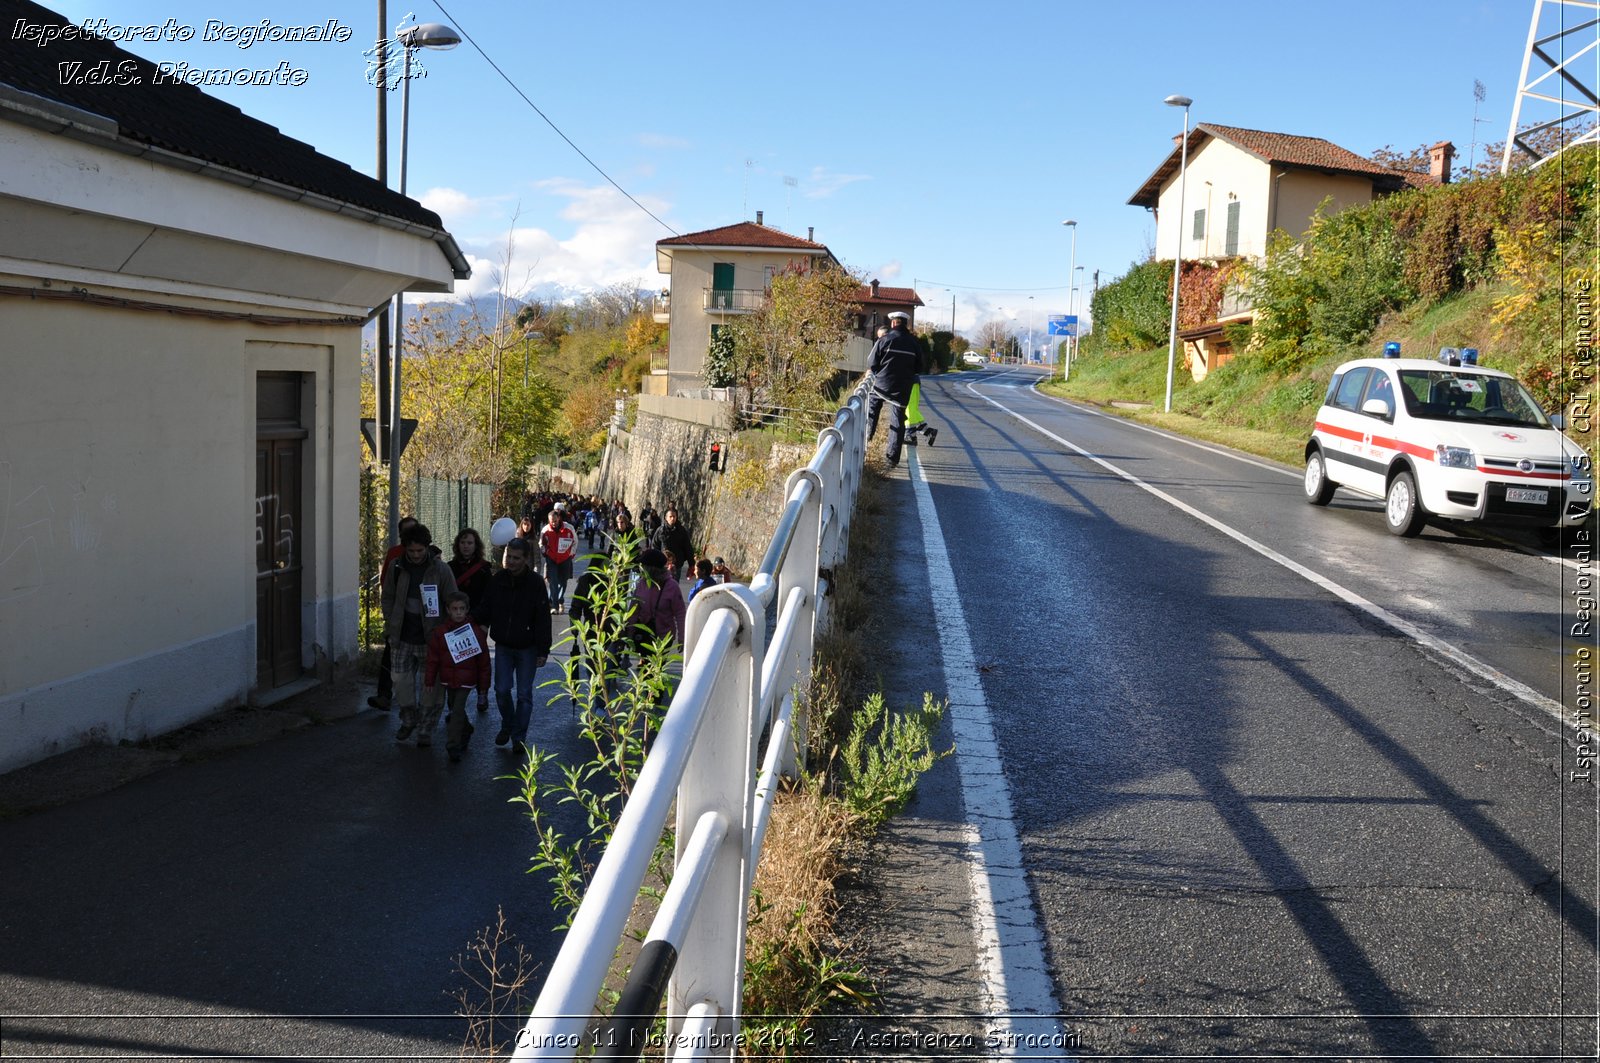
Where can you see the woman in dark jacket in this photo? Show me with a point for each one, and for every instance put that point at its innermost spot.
(471, 569)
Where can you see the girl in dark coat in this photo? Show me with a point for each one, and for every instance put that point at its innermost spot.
(470, 566)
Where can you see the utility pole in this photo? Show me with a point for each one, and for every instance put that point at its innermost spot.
(380, 376)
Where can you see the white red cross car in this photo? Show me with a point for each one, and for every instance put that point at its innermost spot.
(1460, 442)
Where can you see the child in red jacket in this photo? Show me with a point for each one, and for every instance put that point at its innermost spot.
(458, 661)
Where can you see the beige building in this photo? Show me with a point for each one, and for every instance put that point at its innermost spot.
(721, 274)
(718, 275)
(1241, 186)
(182, 293)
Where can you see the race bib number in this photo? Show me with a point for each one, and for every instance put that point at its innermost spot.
(462, 643)
(430, 599)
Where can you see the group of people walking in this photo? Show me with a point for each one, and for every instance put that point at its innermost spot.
(463, 624)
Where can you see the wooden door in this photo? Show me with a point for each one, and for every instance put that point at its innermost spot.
(280, 532)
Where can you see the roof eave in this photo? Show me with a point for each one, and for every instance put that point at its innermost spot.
(65, 120)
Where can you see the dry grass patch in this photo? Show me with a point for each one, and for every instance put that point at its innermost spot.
(793, 970)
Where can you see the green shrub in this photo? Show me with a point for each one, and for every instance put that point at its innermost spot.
(1134, 311)
(884, 756)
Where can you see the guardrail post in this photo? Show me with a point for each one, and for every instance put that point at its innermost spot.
(800, 569)
(829, 546)
(851, 422)
(719, 777)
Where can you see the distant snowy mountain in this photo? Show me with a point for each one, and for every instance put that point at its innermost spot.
(459, 313)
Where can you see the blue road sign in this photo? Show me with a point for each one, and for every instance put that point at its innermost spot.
(1063, 325)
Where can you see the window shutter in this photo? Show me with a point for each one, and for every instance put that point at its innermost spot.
(1199, 224)
(1231, 243)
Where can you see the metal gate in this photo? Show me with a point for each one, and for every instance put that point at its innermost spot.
(447, 506)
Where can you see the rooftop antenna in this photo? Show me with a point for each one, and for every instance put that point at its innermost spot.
(1478, 94)
(788, 198)
(1559, 81)
(744, 210)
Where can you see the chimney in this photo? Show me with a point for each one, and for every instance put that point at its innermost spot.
(874, 289)
(1439, 158)
(811, 233)
(758, 217)
(1177, 138)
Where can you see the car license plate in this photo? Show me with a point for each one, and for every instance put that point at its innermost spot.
(1536, 495)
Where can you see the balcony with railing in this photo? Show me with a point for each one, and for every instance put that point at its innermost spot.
(661, 308)
(734, 300)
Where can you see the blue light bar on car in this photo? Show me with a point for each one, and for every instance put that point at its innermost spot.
(1391, 349)
(1469, 356)
(1449, 356)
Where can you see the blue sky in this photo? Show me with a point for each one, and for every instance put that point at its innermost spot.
(936, 143)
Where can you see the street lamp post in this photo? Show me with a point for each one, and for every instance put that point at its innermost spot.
(438, 36)
(1177, 231)
(380, 356)
(1077, 312)
(1066, 363)
(1030, 329)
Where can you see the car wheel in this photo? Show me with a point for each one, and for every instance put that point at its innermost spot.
(1401, 510)
(1319, 489)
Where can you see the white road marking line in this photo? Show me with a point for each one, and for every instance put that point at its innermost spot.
(1514, 687)
(1020, 998)
(1479, 532)
(1169, 436)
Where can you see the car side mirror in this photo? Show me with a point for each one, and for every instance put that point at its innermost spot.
(1377, 408)
(1559, 421)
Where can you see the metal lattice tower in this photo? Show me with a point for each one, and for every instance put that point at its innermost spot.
(1560, 72)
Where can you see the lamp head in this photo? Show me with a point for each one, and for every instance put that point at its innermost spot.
(1177, 101)
(435, 35)
(1072, 222)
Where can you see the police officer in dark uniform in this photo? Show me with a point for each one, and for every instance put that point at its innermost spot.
(893, 367)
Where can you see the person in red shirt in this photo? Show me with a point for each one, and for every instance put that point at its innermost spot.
(559, 544)
(458, 661)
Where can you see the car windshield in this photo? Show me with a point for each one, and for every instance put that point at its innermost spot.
(1450, 395)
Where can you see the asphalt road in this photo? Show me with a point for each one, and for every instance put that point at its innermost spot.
(307, 897)
(1254, 817)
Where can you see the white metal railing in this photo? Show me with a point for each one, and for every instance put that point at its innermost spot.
(708, 759)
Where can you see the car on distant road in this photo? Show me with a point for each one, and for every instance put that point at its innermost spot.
(1442, 439)
(974, 358)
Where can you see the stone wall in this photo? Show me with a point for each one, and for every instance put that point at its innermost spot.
(731, 514)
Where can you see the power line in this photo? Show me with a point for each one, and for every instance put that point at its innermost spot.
(979, 288)
(515, 88)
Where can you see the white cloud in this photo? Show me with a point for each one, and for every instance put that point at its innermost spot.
(603, 239)
(890, 271)
(457, 208)
(821, 184)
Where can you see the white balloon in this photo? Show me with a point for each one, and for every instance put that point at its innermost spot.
(502, 531)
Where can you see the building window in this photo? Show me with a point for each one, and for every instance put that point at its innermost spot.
(1230, 244)
(1199, 224)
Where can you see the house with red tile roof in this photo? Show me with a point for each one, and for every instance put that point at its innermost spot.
(718, 275)
(878, 301)
(1244, 184)
(183, 289)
